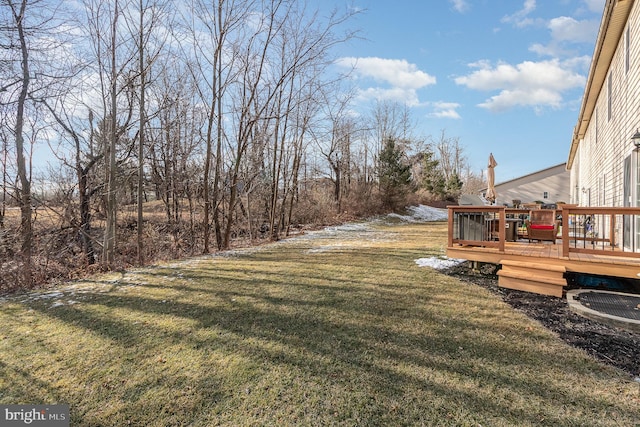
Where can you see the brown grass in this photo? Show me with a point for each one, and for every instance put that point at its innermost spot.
(335, 330)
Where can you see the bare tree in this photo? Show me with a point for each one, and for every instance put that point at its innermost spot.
(450, 155)
(109, 246)
(385, 124)
(215, 36)
(223, 122)
(150, 14)
(50, 67)
(83, 163)
(18, 10)
(391, 120)
(176, 143)
(116, 77)
(338, 150)
(142, 69)
(251, 102)
(4, 162)
(303, 48)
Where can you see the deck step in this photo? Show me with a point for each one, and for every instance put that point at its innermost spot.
(533, 277)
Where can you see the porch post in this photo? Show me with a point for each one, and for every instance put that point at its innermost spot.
(502, 232)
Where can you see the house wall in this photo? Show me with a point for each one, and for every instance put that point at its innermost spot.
(531, 188)
(597, 175)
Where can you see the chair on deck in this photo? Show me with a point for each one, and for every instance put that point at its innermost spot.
(542, 225)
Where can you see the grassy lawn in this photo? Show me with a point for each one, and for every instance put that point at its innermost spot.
(324, 331)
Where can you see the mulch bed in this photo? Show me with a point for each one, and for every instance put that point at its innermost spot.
(613, 346)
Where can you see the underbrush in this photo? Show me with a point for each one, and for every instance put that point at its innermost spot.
(58, 253)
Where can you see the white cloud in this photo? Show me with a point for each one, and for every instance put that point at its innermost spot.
(536, 97)
(552, 50)
(460, 5)
(535, 84)
(595, 5)
(578, 63)
(400, 78)
(566, 29)
(396, 72)
(400, 95)
(566, 32)
(521, 17)
(444, 110)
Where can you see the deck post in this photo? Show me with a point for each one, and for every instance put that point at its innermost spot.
(565, 232)
(502, 232)
(612, 231)
(450, 215)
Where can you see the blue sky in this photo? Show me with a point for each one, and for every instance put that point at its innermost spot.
(503, 76)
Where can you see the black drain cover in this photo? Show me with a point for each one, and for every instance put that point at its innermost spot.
(627, 306)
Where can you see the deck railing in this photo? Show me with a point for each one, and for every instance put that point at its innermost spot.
(601, 231)
(472, 226)
(590, 230)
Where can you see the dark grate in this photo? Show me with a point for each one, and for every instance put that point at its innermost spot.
(627, 306)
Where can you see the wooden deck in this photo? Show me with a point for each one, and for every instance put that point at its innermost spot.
(542, 266)
(605, 265)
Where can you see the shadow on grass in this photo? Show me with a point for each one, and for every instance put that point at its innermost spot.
(353, 337)
(25, 387)
(355, 355)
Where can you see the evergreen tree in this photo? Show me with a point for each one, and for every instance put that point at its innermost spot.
(454, 187)
(434, 180)
(395, 175)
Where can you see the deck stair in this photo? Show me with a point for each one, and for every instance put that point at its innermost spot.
(545, 279)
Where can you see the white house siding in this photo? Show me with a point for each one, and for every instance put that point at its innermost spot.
(597, 174)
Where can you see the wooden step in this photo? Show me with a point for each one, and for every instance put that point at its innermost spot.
(533, 277)
(533, 265)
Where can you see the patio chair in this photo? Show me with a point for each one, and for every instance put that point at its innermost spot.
(542, 225)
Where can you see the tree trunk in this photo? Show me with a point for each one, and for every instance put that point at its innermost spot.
(25, 181)
(4, 195)
(108, 256)
(85, 215)
(142, 64)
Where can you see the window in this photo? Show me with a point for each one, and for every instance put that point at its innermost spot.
(596, 131)
(627, 45)
(545, 195)
(609, 94)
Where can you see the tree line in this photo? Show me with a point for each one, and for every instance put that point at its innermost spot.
(176, 127)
